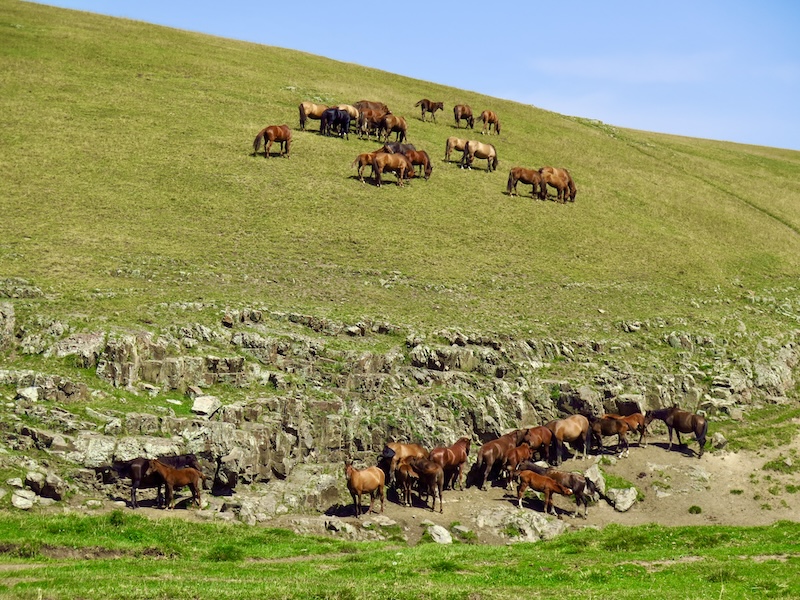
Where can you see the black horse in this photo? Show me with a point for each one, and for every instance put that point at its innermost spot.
(335, 120)
(136, 471)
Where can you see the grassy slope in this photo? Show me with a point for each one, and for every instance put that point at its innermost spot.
(128, 181)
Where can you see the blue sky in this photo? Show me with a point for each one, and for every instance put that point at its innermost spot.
(723, 70)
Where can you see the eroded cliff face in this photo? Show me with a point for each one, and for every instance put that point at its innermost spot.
(264, 395)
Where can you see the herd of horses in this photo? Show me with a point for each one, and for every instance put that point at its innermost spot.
(369, 118)
(529, 456)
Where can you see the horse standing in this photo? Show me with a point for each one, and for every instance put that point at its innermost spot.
(452, 459)
(427, 106)
(489, 118)
(539, 439)
(513, 457)
(530, 177)
(310, 110)
(431, 478)
(606, 427)
(682, 422)
(561, 180)
(541, 483)
(393, 124)
(399, 164)
(365, 481)
(334, 119)
(463, 111)
(398, 451)
(369, 121)
(570, 429)
(475, 150)
(583, 488)
(176, 479)
(365, 104)
(491, 454)
(454, 143)
(362, 161)
(635, 422)
(273, 133)
(137, 471)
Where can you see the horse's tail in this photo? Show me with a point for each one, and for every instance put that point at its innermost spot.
(418, 103)
(701, 439)
(355, 162)
(303, 116)
(257, 141)
(510, 183)
(495, 161)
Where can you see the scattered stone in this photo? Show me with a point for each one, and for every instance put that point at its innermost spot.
(206, 405)
(622, 499)
(440, 535)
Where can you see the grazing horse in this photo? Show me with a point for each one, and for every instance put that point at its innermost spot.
(570, 429)
(539, 439)
(606, 427)
(635, 422)
(334, 119)
(454, 143)
(452, 459)
(369, 121)
(682, 422)
(431, 478)
(397, 451)
(309, 110)
(491, 454)
(561, 180)
(393, 124)
(363, 160)
(273, 133)
(399, 164)
(489, 118)
(365, 104)
(136, 471)
(513, 457)
(366, 481)
(428, 106)
(421, 158)
(475, 150)
(541, 483)
(350, 110)
(463, 111)
(176, 479)
(530, 177)
(582, 487)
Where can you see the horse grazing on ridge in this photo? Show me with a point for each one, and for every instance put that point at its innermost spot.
(606, 427)
(274, 133)
(420, 158)
(463, 111)
(530, 177)
(399, 164)
(427, 106)
(310, 110)
(489, 118)
(393, 124)
(362, 161)
(561, 180)
(682, 422)
(475, 150)
(454, 143)
(541, 483)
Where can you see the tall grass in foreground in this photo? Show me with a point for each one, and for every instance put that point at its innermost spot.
(121, 556)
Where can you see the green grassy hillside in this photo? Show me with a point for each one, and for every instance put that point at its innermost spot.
(128, 181)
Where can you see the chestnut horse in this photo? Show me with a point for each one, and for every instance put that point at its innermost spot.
(463, 111)
(273, 133)
(365, 104)
(452, 459)
(369, 121)
(176, 479)
(539, 439)
(491, 454)
(366, 481)
(137, 471)
(399, 164)
(606, 427)
(530, 177)
(513, 457)
(431, 478)
(541, 483)
(682, 422)
(570, 429)
(489, 118)
(397, 451)
(561, 180)
(582, 487)
(363, 160)
(454, 143)
(475, 150)
(427, 106)
(421, 158)
(635, 422)
(309, 110)
(393, 124)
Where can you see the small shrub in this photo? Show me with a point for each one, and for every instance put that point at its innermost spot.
(737, 492)
(225, 553)
(695, 510)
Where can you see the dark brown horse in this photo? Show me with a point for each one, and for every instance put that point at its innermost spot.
(491, 454)
(431, 478)
(366, 481)
(427, 106)
(561, 180)
(682, 422)
(452, 459)
(582, 487)
(273, 133)
(463, 111)
(539, 439)
(420, 158)
(513, 457)
(541, 483)
(530, 177)
(393, 124)
(310, 110)
(399, 164)
(574, 428)
(454, 143)
(475, 150)
(606, 427)
(635, 422)
(489, 118)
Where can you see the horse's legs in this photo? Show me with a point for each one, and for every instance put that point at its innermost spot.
(670, 437)
(521, 492)
(134, 504)
(266, 149)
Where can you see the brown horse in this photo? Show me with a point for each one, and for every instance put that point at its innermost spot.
(427, 106)
(530, 177)
(397, 451)
(310, 110)
(369, 121)
(399, 164)
(682, 422)
(365, 104)
(273, 133)
(475, 150)
(431, 478)
(635, 422)
(463, 111)
(405, 478)
(570, 429)
(513, 457)
(176, 479)
(541, 483)
(561, 180)
(366, 481)
(606, 427)
(491, 454)
(539, 439)
(582, 487)
(420, 158)
(452, 459)
(362, 161)
(454, 143)
(137, 471)
(393, 124)
(489, 118)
